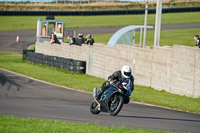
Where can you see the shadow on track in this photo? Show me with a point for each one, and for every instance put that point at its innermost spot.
(5, 80)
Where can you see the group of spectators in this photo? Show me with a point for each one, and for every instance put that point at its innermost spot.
(79, 40)
(197, 39)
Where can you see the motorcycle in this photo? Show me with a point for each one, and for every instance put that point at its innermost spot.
(113, 98)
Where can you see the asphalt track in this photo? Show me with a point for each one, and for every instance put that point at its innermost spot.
(27, 97)
(27, 37)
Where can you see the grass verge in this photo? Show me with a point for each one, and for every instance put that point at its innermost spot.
(168, 37)
(31, 47)
(13, 61)
(10, 124)
(30, 22)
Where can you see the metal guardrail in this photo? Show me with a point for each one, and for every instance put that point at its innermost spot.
(86, 13)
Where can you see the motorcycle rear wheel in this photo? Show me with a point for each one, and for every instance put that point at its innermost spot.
(94, 108)
(116, 107)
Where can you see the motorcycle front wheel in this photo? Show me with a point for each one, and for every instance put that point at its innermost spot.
(94, 108)
(116, 104)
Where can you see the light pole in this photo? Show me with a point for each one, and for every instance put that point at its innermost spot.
(158, 23)
(145, 24)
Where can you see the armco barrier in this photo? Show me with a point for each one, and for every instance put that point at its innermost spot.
(74, 66)
(87, 13)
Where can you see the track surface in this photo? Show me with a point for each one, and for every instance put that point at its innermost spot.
(27, 37)
(26, 97)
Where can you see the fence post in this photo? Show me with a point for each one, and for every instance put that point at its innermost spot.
(90, 60)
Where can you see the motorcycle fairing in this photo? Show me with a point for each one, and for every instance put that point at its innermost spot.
(106, 96)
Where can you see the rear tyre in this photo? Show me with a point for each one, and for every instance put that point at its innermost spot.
(116, 106)
(94, 108)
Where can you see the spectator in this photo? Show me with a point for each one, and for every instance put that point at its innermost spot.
(197, 39)
(44, 30)
(79, 40)
(54, 39)
(71, 40)
(89, 39)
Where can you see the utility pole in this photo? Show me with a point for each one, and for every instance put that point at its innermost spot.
(158, 23)
(145, 24)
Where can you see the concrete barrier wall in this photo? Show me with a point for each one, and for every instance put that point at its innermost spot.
(196, 85)
(162, 68)
(175, 69)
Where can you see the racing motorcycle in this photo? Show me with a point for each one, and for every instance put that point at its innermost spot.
(113, 98)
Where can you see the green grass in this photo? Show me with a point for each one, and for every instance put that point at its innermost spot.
(168, 37)
(13, 62)
(163, 98)
(11, 124)
(102, 38)
(31, 47)
(30, 22)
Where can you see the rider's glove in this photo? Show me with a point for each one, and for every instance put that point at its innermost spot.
(111, 81)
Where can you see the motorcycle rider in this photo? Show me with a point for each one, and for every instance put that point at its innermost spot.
(124, 73)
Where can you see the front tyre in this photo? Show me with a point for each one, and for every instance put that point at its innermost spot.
(116, 104)
(94, 108)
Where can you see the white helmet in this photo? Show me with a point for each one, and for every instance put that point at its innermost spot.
(126, 71)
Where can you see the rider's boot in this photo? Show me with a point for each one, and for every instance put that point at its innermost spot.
(99, 93)
(102, 89)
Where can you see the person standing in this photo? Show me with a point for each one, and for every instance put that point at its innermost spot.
(89, 39)
(54, 39)
(197, 39)
(71, 40)
(44, 30)
(79, 40)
